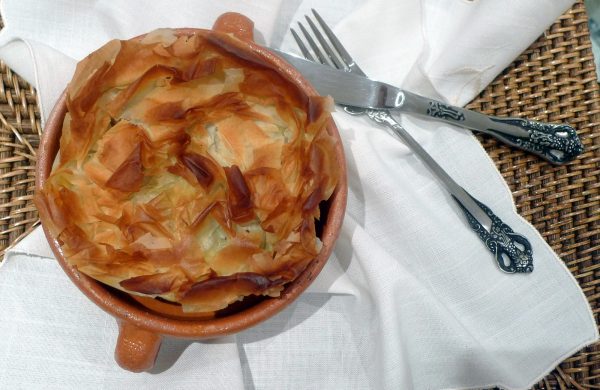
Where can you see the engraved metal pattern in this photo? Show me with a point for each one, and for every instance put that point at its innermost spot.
(500, 240)
(557, 142)
(381, 117)
(440, 110)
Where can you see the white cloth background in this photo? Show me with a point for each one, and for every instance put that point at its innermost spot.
(410, 299)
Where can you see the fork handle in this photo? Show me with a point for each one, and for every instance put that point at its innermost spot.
(557, 143)
(512, 251)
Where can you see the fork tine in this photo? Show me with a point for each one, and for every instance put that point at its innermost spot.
(313, 45)
(343, 53)
(330, 52)
(305, 52)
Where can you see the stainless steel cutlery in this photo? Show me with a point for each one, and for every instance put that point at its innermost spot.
(512, 251)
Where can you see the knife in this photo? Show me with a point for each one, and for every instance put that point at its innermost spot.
(557, 143)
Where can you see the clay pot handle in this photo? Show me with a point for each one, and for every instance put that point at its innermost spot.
(236, 24)
(136, 348)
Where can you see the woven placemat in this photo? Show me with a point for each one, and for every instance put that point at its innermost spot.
(20, 131)
(554, 80)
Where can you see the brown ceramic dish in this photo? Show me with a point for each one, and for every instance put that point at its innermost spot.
(143, 322)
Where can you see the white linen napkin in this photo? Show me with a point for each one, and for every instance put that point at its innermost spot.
(410, 299)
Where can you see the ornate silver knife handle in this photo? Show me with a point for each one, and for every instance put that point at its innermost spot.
(512, 251)
(557, 143)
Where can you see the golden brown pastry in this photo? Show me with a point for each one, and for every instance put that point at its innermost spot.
(189, 171)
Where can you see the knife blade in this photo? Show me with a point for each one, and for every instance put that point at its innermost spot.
(557, 143)
(347, 88)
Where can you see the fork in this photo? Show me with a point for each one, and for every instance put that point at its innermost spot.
(511, 250)
(557, 143)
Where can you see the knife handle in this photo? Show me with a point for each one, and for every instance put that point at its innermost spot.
(557, 143)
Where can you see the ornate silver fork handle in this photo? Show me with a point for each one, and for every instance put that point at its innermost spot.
(557, 143)
(511, 250)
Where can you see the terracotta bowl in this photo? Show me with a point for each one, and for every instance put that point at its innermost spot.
(143, 322)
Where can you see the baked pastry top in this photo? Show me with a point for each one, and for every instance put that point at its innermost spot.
(189, 170)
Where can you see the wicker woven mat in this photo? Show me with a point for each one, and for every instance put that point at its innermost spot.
(554, 80)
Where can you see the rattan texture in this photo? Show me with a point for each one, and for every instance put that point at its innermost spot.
(20, 130)
(554, 80)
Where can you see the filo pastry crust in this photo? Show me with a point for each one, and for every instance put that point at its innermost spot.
(188, 170)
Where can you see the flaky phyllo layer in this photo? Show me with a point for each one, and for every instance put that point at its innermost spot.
(188, 170)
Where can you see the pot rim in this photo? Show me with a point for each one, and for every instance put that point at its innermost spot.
(202, 328)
